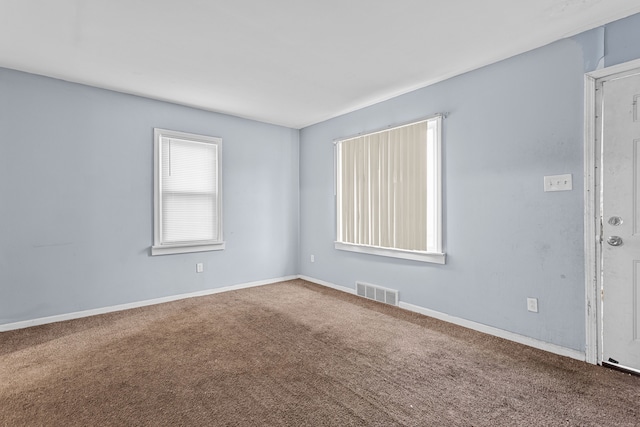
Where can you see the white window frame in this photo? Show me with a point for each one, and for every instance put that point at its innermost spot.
(436, 253)
(163, 248)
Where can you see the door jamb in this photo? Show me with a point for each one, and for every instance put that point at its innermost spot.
(592, 200)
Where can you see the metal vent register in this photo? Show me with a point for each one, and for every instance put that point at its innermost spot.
(377, 293)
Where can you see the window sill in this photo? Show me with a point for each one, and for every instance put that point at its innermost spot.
(432, 257)
(168, 250)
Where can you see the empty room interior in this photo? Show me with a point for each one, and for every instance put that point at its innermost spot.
(319, 213)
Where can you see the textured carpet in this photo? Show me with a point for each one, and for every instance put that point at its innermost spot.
(294, 354)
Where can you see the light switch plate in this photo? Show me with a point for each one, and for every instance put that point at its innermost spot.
(558, 183)
(532, 304)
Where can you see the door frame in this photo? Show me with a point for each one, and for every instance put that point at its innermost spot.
(592, 199)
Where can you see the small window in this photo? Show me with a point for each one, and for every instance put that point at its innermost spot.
(188, 193)
(388, 192)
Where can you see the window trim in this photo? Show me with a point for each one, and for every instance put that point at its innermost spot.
(437, 256)
(158, 248)
(432, 257)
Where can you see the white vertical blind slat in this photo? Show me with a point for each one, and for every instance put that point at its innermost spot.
(383, 197)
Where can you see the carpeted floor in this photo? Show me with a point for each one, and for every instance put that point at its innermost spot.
(294, 354)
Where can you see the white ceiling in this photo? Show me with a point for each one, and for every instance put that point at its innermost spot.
(288, 62)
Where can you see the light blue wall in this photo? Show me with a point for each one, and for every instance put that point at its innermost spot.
(509, 124)
(76, 188)
(622, 42)
(76, 211)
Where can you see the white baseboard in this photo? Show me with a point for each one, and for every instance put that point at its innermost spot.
(86, 313)
(531, 342)
(501, 333)
(328, 285)
(490, 330)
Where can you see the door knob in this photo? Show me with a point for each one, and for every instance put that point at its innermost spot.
(614, 240)
(615, 221)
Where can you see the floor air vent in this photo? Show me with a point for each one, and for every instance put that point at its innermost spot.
(377, 293)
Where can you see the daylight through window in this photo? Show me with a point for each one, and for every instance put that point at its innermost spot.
(187, 193)
(388, 192)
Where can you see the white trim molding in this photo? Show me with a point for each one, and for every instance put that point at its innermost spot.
(490, 330)
(592, 215)
(86, 313)
(426, 227)
(591, 222)
(328, 284)
(203, 180)
(531, 342)
(177, 249)
(436, 258)
(497, 332)
(614, 69)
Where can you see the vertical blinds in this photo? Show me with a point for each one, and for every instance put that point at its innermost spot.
(189, 191)
(382, 189)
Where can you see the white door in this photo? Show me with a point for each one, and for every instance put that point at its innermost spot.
(621, 220)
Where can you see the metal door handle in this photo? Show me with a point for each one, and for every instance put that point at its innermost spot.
(615, 221)
(614, 240)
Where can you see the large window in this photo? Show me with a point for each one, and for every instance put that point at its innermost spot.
(188, 196)
(388, 192)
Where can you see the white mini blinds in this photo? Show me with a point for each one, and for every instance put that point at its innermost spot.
(389, 193)
(188, 201)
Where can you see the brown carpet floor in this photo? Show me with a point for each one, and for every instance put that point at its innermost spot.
(294, 354)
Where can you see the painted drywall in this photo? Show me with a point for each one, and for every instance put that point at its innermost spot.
(77, 206)
(622, 42)
(76, 187)
(509, 125)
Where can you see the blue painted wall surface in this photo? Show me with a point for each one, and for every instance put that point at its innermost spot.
(510, 124)
(622, 42)
(76, 186)
(77, 207)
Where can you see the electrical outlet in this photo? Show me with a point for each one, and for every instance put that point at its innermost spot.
(558, 183)
(313, 258)
(532, 304)
(199, 267)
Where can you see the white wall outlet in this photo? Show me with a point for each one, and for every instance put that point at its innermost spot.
(199, 267)
(313, 258)
(532, 304)
(558, 182)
